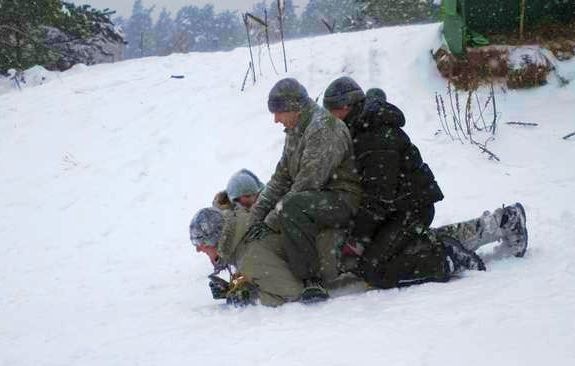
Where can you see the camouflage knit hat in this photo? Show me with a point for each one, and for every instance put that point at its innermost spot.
(243, 183)
(341, 92)
(206, 226)
(288, 95)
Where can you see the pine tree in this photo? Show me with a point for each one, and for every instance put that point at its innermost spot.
(290, 20)
(196, 29)
(311, 19)
(84, 35)
(21, 32)
(393, 12)
(139, 33)
(164, 32)
(228, 30)
(324, 16)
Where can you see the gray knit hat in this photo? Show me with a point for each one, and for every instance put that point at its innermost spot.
(206, 226)
(341, 92)
(288, 95)
(243, 183)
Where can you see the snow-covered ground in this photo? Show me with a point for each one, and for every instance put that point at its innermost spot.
(103, 167)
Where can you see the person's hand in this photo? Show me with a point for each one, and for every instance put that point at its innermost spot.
(241, 291)
(219, 287)
(352, 248)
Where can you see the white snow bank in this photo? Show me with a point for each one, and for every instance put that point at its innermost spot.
(103, 169)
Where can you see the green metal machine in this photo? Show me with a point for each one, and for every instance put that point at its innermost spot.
(464, 18)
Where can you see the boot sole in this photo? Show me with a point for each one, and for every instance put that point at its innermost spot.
(523, 218)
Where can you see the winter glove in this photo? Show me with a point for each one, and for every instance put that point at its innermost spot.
(218, 286)
(241, 291)
(258, 231)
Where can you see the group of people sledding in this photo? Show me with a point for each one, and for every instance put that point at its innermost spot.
(351, 200)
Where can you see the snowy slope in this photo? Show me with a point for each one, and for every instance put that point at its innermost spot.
(103, 167)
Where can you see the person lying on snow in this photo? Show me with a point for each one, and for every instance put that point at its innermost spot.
(263, 274)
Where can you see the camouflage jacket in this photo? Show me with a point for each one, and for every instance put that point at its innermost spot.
(232, 246)
(317, 156)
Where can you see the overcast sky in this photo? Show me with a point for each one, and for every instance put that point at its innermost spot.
(124, 7)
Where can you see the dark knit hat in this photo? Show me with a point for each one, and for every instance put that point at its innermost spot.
(288, 95)
(341, 92)
(376, 93)
(206, 226)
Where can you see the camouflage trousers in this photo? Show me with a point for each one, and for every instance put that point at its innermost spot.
(303, 216)
(476, 232)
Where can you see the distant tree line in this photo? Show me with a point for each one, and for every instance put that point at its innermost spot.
(58, 34)
(200, 29)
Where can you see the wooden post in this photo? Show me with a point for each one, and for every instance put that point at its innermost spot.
(280, 15)
(250, 46)
(522, 19)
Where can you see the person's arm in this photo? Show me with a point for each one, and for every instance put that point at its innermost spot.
(274, 190)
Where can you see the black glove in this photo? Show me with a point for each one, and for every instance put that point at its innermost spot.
(258, 231)
(219, 287)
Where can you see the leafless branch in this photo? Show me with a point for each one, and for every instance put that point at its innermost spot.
(330, 27)
(258, 20)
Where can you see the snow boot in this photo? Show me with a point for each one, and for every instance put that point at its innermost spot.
(460, 257)
(514, 229)
(313, 292)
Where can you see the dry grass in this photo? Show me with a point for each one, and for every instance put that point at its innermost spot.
(486, 65)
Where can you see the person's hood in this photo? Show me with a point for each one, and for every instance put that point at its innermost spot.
(378, 113)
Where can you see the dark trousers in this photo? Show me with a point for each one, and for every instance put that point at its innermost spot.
(401, 252)
(302, 216)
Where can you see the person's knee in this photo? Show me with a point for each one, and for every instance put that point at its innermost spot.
(292, 202)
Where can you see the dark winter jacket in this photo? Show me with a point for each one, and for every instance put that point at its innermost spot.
(393, 174)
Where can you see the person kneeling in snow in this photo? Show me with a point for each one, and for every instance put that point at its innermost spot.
(392, 239)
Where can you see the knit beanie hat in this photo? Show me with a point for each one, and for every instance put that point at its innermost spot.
(243, 183)
(206, 226)
(376, 93)
(288, 95)
(341, 92)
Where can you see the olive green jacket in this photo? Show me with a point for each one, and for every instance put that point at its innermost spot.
(263, 261)
(317, 156)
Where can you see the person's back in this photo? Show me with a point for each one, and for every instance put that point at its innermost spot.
(399, 189)
(390, 165)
